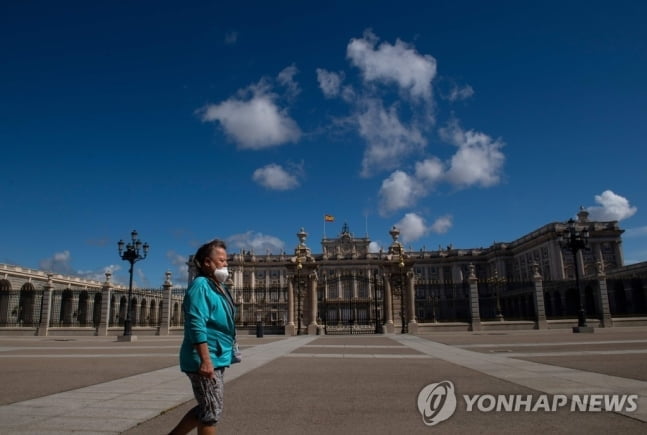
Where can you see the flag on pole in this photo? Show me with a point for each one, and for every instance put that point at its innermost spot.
(329, 218)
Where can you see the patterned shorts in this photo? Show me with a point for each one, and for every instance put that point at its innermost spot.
(209, 394)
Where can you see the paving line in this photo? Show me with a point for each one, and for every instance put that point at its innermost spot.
(113, 407)
(22, 348)
(544, 378)
(569, 343)
(508, 354)
(356, 346)
(355, 355)
(574, 353)
(94, 355)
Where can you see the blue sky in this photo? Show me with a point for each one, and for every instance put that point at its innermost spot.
(461, 122)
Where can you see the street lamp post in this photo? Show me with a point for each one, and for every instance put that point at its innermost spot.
(325, 305)
(575, 240)
(134, 252)
(376, 296)
(431, 299)
(299, 267)
(498, 282)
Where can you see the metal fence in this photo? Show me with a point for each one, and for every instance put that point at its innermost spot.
(146, 308)
(345, 304)
(82, 308)
(20, 308)
(79, 308)
(562, 298)
(628, 297)
(507, 300)
(442, 301)
(268, 305)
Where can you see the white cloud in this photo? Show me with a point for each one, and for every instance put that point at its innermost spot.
(393, 131)
(430, 171)
(60, 262)
(388, 140)
(396, 63)
(348, 94)
(179, 262)
(286, 78)
(329, 82)
(374, 247)
(256, 242)
(253, 119)
(274, 177)
(401, 190)
(99, 275)
(458, 93)
(231, 38)
(478, 161)
(142, 280)
(412, 227)
(441, 225)
(398, 191)
(396, 130)
(612, 207)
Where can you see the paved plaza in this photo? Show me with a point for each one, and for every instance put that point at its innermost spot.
(340, 384)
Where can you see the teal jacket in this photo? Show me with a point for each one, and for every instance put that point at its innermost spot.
(208, 317)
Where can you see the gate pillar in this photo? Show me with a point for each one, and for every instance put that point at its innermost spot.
(46, 308)
(312, 291)
(389, 327)
(290, 329)
(106, 292)
(603, 297)
(475, 315)
(540, 306)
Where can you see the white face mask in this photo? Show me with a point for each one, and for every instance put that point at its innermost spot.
(221, 274)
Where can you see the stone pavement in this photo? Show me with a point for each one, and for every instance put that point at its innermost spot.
(319, 384)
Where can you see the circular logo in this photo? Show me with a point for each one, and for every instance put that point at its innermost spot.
(437, 402)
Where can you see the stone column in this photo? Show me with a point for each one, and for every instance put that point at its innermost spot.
(165, 321)
(412, 326)
(46, 308)
(618, 252)
(540, 308)
(606, 321)
(474, 300)
(290, 328)
(312, 326)
(355, 288)
(106, 296)
(560, 265)
(388, 305)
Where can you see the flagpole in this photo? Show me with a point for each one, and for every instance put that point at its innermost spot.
(366, 224)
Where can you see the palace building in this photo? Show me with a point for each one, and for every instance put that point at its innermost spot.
(557, 276)
(536, 279)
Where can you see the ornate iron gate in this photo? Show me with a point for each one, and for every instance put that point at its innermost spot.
(267, 305)
(350, 304)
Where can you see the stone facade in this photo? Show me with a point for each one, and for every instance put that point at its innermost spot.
(525, 283)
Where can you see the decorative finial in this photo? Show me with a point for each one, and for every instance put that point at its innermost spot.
(302, 235)
(395, 233)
